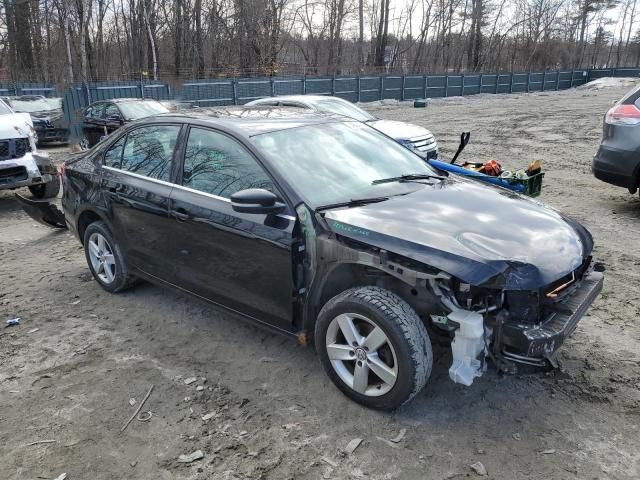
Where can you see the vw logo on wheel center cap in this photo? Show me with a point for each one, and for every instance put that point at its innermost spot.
(361, 354)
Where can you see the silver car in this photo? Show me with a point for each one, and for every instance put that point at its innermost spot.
(413, 137)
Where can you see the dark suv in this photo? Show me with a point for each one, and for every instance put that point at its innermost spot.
(324, 229)
(618, 158)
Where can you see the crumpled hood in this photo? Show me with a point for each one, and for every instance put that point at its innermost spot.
(15, 125)
(474, 232)
(399, 130)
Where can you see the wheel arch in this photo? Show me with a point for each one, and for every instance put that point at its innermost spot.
(342, 276)
(86, 218)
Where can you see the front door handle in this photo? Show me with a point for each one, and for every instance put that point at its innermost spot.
(180, 214)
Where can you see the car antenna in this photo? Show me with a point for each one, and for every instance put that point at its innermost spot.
(464, 139)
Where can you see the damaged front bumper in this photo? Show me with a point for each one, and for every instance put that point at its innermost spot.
(509, 341)
(537, 344)
(30, 169)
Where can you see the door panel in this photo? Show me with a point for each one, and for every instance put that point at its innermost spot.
(135, 180)
(242, 261)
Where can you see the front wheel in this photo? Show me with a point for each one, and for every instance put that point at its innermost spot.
(374, 347)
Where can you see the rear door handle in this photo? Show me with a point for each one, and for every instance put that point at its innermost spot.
(180, 214)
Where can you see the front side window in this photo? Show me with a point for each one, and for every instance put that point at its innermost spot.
(215, 163)
(149, 150)
(111, 111)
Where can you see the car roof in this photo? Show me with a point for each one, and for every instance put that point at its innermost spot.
(301, 98)
(124, 100)
(250, 121)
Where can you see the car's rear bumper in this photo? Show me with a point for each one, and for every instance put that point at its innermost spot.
(536, 344)
(43, 212)
(617, 167)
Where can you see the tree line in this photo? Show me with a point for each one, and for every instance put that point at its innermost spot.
(88, 40)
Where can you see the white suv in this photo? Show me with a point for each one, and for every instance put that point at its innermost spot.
(21, 165)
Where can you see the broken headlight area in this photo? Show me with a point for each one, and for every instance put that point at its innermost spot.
(512, 328)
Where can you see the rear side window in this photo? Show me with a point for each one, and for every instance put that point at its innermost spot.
(113, 157)
(149, 150)
(94, 111)
(219, 165)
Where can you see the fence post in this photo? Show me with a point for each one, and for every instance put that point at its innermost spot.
(480, 91)
(272, 86)
(15, 89)
(446, 85)
(511, 83)
(462, 86)
(558, 80)
(358, 87)
(402, 92)
(544, 79)
(333, 85)
(528, 81)
(613, 72)
(426, 81)
(572, 75)
(304, 84)
(497, 83)
(381, 87)
(234, 90)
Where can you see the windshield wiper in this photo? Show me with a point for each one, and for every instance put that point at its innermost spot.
(352, 203)
(408, 178)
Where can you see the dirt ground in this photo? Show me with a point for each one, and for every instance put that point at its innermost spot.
(69, 370)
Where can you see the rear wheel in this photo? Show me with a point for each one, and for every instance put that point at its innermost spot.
(46, 190)
(374, 347)
(105, 259)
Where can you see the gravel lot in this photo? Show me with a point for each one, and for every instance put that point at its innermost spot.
(69, 370)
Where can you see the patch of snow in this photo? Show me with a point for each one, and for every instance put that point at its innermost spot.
(609, 82)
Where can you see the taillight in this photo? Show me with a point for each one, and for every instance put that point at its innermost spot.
(623, 115)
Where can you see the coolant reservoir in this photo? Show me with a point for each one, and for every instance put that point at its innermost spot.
(467, 346)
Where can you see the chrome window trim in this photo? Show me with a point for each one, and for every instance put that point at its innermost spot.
(137, 175)
(181, 187)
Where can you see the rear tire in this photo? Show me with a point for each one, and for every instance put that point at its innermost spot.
(105, 259)
(374, 347)
(46, 190)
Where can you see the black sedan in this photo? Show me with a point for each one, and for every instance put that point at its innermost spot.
(103, 118)
(324, 229)
(618, 159)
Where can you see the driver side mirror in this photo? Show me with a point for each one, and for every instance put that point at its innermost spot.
(256, 201)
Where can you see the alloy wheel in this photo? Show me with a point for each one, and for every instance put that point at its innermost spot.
(101, 257)
(361, 354)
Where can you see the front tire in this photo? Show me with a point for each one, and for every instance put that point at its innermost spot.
(105, 259)
(46, 190)
(374, 347)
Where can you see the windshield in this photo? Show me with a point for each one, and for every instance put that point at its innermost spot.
(337, 162)
(136, 110)
(342, 107)
(4, 110)
(36, 105)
